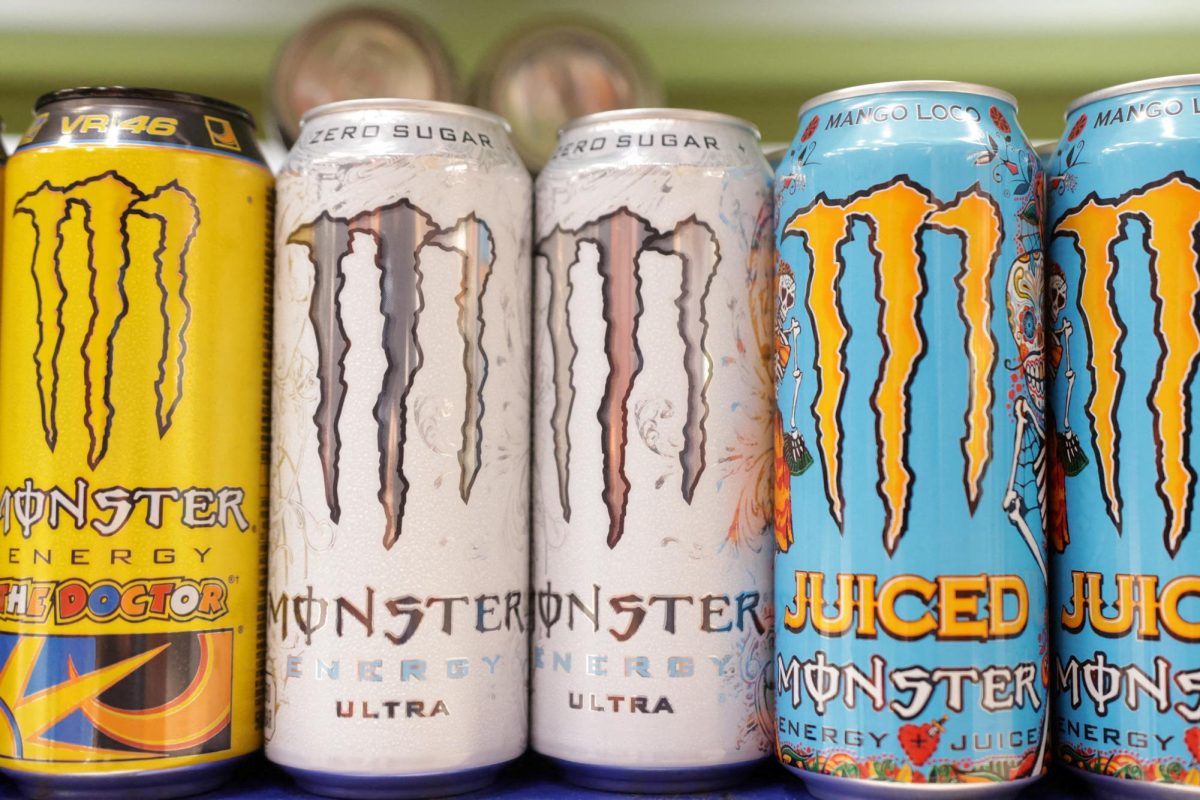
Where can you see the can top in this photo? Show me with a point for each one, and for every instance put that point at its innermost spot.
(139, 93)
(403, 104)
(1167, 82)
(673, 114)
(889, 87)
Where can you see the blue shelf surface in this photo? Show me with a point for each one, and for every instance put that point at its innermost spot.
(532, 779)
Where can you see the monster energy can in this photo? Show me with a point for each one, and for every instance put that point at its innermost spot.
(652, 449)
(399, 534)
(1123, 345)
(912, 585)
(134, 340)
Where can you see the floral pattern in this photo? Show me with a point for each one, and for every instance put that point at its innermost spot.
(811, 128)
(891, 769)
(1126, 766)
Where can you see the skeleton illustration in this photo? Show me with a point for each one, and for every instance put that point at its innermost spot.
(1022, 299)
(787, 351)
(1066, 455)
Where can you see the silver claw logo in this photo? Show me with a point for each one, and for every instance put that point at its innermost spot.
(400, 232)
(102, 206)
(620, 239)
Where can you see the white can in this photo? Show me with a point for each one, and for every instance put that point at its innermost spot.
(397, 604)
(653, 425)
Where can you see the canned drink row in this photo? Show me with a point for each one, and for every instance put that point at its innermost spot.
(985, 399)
(378, 444)
(448, 371)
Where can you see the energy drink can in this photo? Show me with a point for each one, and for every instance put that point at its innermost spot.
(1123, 345)
(912, 591)
(599, 68)
(134, 344)
(652, 451)
(357, 51)
(399, 544)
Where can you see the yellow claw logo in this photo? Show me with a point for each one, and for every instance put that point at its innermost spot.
(38, 725)
(897, 213)
(1170, 211)
(83, 228)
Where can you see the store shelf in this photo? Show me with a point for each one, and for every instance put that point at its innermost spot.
(532, 780)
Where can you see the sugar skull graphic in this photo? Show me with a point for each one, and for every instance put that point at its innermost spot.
(787, 336)
(1026, 492)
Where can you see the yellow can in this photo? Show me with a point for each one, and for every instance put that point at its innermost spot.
(134, 357)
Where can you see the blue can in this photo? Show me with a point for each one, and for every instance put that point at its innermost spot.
(911, 582)
(1123, 344)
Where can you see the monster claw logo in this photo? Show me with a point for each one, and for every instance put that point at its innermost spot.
(1169, 210)
(82, 698)
(896, 214)
(400, 232)
(620, 239)
(87, 223)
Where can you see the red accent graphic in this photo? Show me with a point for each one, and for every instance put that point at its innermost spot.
(998, 120)
(920, 742)
(811, 128)
(1192, 740)
(1077, 128)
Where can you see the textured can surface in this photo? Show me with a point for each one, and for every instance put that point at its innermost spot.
(1124, 204)
(910, 578)
(132, 411)
(398, 630)
(652, 386)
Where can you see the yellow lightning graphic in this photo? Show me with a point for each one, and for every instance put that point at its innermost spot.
(33, 715)
(975, 217)
(190, 719)
(1170, 210)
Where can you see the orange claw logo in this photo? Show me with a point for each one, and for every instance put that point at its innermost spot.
(897, 213)
(40, 725)
(1170, 210)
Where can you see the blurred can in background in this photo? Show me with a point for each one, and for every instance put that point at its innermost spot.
(134, 342)
(399, 542)
(911, 629)
(355, 52)
(1045, 151)
(1123, 343)
(653, 451)
(555, 70)
(774, 153)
